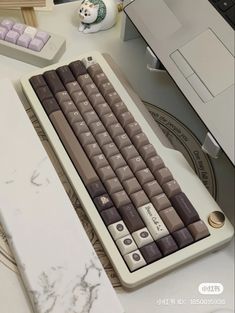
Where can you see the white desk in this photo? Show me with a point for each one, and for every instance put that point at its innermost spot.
(181, 285)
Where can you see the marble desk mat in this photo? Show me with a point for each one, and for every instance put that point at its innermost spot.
(6, 257)
(65, 285)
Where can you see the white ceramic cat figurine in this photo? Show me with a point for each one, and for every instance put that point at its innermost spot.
(96, 15)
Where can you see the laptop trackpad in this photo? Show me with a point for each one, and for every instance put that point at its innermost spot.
(211, 61)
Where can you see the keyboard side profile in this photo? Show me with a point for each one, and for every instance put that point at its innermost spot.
(149, 209)
(29, 44)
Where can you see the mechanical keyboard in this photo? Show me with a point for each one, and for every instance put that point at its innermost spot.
(227, 9)
(150, 211)
(29, 44)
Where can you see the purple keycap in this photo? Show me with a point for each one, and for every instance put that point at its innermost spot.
(12, 36)
(3, 32)
(19, 28)
(24, 40)
(43, 36)
(36, 44)
(8, 24)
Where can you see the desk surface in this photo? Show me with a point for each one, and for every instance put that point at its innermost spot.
(178, 290)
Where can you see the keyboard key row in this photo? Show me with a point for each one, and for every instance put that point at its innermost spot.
(23, 35)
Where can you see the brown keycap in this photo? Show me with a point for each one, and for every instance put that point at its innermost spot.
(133, 129)
(103, 139)
(140, 140)
(44, 93)
(90, 117)
(65, 74)
(131, 218)
(198, 230)
(113, 185)
(109, 119)
(184, 208)
(160, 202)
(106, 88)
(37, 82)
(131, 185)
(167, 245)
(147, 151)
(103, 202)
(86, 138)
(99, 161)
(115, 130)
(110, 216)
(96, 99)
(144, 176)
(74, 117)
(96, 189)
(102, 109)
(112, 98)
(94, 69)
(120, 198)
(152, 188)
(129, 152)
(96, 128)
(151, 252)
(84, 80)
(136, 164)
(79, 128)
(124, 173)
(74, 149)
(183, 237)
(92, 150)
(62, 96)
(139, 198)
(84, 107)
(90, 89)
(122, 141)
(119, 108)
(78, 96)
(73, 87)
(50, 106)
(77, 68)
(163, 175)
(116, 161)
(171, 188)
(110, 149)
(155, 163)
(126, 118)
(100, 78)
(53, 81)
(171, 219)
(106, 173)
(67, 107)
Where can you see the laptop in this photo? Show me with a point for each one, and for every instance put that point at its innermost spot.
(194, 40)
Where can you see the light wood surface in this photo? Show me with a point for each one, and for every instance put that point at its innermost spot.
(27, 9)
(29, 16)
(22, 3)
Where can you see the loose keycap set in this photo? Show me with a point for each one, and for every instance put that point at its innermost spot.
(29, 44)
(140, 213)
(23, 35)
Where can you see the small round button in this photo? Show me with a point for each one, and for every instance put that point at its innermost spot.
(216, 219)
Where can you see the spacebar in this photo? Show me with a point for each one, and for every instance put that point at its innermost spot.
(73, 148)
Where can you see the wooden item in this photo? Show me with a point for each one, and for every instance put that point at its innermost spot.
(27, 8)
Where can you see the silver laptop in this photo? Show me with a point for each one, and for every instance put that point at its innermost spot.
(195, 42)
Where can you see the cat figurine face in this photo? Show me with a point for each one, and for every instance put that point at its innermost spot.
(88, 12)
(96, 15)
